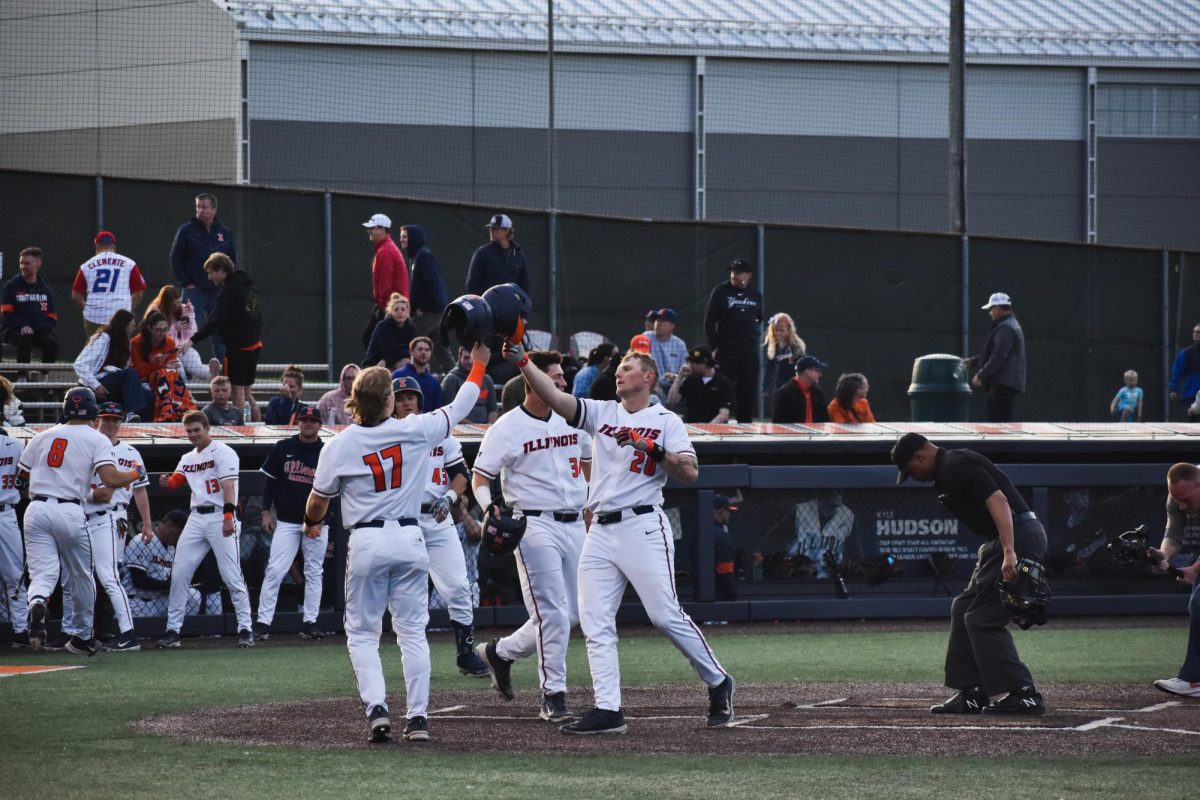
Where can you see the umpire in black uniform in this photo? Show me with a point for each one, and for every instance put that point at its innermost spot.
(981, 658)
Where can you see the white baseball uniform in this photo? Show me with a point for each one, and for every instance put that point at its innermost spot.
(109, 281)
(540, 465)
(387, 565)
(447, 566)
(12, 554)
(205, 470)
(147, 580)
(108, 538)
(630, 541)
(60, 462)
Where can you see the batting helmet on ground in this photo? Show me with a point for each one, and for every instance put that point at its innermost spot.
(1028, 595)
(511, 307)
(470, 317)
(501, 531)
(80, 403)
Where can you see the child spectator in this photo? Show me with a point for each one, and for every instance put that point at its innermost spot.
(781, 349)
(849, 404)
(282, 410)
(237, 319)
(1127, 404)
(220, 411)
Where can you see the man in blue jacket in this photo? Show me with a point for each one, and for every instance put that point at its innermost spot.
(1185, 374)
(195, 241)
(427, 292)
(501, 260)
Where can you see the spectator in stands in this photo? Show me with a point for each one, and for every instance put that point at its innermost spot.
(801, 399)
(389, 273)
(181, 316)
(220, 411)
(705, 394)
(283, 408)
(421, 349)
(733, 324)
(195, 241)
(781, 348)
(501, 260)
(667, 349)
(487, 408)
(428, 289)
(849, 403)
(1001, 366)
(332, 404)
(105, 282)
(103, 367)
(238, 319)
(1185, 372)
(604, 387)
(28, 310)
(156, 359)
(651, 315)
(390, 339)
(598, 361)
(1127, 404)
(10, 407)
(724, 555)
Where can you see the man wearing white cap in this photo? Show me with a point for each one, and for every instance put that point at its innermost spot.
(389, 273)
(501, 260)
(1001, 366)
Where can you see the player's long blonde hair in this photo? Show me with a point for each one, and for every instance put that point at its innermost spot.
(368, 403)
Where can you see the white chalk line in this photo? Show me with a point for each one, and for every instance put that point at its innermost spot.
(1097, 723)
(1158, 730)
(42, 671)
(994, 728)
(740, 721)
(824, 703)
(1158, 707)
(446, 710)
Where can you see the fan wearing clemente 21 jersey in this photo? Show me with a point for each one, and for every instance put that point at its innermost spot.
(543, 465)
(636, 446)
(378, 466)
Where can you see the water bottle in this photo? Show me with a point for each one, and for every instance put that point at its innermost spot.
(246, 419)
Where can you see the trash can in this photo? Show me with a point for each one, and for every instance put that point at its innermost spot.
(939, 391)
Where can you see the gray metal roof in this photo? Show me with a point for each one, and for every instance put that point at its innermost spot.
(1103, 31)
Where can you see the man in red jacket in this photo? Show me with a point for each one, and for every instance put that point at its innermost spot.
(389, 273)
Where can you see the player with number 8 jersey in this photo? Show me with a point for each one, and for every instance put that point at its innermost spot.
(379, 466)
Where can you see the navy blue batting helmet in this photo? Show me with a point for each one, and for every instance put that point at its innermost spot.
(80, 403)
(511, 307)
(470, 317)
(406, 383)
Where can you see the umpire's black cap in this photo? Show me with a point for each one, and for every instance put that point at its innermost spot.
(904, 449)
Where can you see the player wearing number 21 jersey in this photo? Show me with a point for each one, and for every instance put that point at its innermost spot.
(379, 468)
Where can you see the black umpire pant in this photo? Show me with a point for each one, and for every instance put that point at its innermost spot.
(741, 367)
(981, 651)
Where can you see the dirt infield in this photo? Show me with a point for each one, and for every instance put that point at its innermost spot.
(828, 718)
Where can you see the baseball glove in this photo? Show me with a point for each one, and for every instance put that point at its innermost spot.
(501, 531)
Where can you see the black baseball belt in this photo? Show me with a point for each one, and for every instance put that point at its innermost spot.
(207, 508)
(379, 523)
(609, 517)
(46, 499)
(116, 508)
(559, 516)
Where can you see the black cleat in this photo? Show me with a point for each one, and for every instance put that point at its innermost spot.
(379, 725)
(720, 703)
(1024, 702)
(499, 668)
(245, 638)
(554, 707)
(20, 639)
(309, 630)
(596, 721)
(37, 624)
(965, 701)
(169, 639)
(416, 729)
(469, 663)
(125, 642)
(82, 647)
(57, 643)
(261, 630)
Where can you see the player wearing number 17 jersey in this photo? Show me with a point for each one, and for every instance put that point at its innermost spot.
(378, 467)
(635, 447)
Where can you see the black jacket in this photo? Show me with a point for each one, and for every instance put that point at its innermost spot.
(192, 247)
(790, 405)
(492, 265)
(733, 319)
(427, 290)
(236, 316)
(388, 342)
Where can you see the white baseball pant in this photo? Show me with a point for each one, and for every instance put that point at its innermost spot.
(388, 567)
(56, 530)
(640, 550)
(548, 564)
(287, 539)
(448, 567)
(202, 533)
(12, 570)
(108, 547)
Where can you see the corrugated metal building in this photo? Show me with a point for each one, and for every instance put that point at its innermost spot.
(1083, 119)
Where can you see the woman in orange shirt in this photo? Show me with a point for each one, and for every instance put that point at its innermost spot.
(849, 404)
(156, 359)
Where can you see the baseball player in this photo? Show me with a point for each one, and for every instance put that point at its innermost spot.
(12, 554)
(289, 468)
(106, 282)
(148, 560)
(543, 465)
(58, 464)
(211, 472)
(106, 511)
(387, 565)
(636, 446)
(447, 566)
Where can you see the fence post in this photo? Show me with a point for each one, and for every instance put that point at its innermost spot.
(1165, 269)
(329, 286)
(965, 303)
(760, 244)
(552, 264)
(99, 202)
(704, 580)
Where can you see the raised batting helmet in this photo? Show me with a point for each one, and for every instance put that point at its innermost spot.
(470, 317)
(407, 383)
(79, 403)
(501, 531)
(1028, 595)
(511, 307)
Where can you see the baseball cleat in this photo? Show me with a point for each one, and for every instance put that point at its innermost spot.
(470, 664)
(416, 729)
(499, 668)
(1177, 686)
(37, 624)
(169, 639)
(245, 638)
(596, 721)
(965, 701)
(82, 647)
(379, 725)
(309, 630)
(57, 643)
(20, 639)
(125, 642)
(720, 703)
(554, 707)
(261, 630)
(1026, 701)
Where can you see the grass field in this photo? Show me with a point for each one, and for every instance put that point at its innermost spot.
(66, 734)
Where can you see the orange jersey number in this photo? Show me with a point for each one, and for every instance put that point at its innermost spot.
(57, 449)
(643, 464)
(378, 471)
